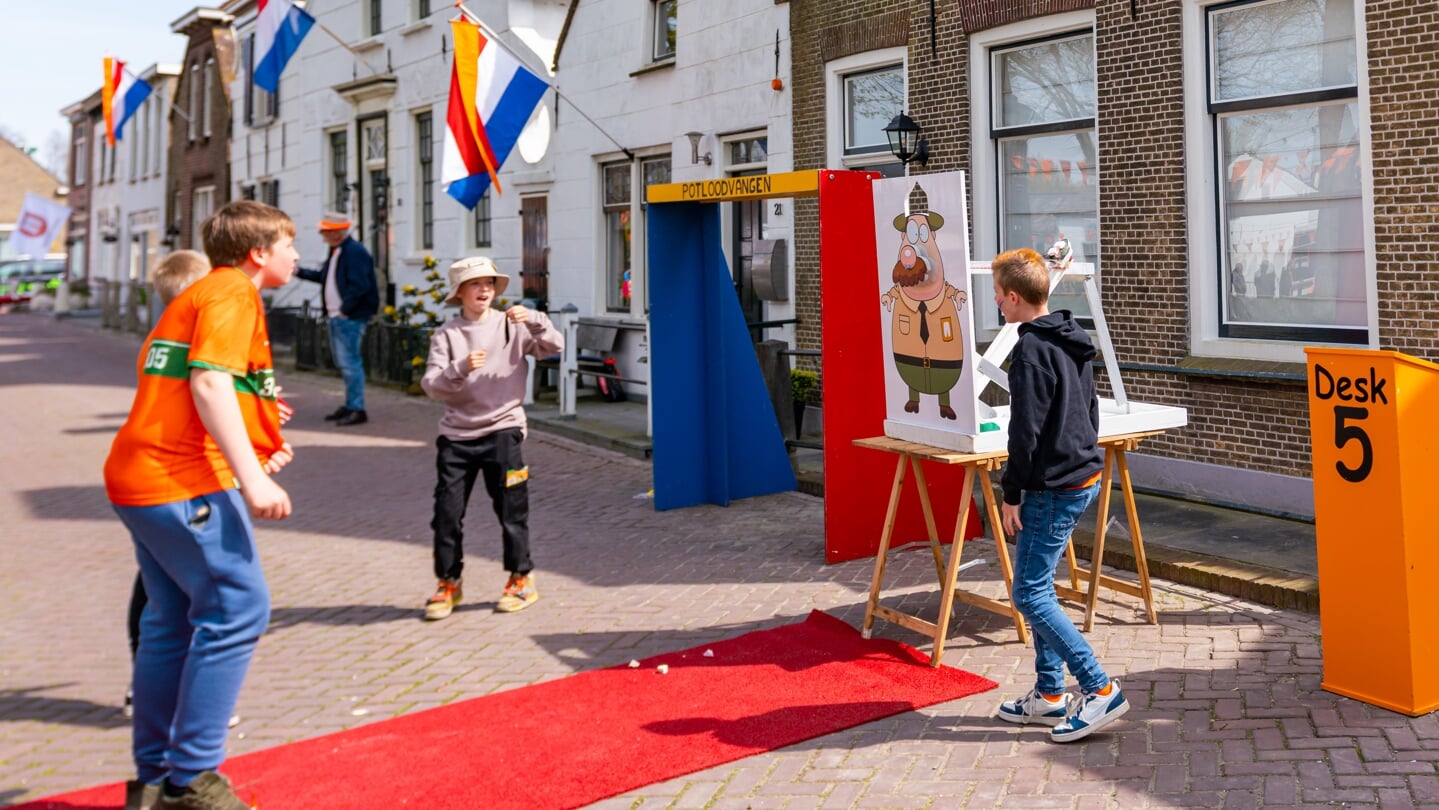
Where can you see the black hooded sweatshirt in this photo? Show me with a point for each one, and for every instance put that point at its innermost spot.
(1053, 412)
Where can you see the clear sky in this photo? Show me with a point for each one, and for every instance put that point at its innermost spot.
(52, 52)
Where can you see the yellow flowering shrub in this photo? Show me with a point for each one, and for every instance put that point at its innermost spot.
(420, 306)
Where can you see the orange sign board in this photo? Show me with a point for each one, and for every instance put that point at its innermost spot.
(1374, 445)
(747, 187)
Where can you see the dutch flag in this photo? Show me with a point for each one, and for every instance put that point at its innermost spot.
(491, 98)
(279, 28)
(121, 95)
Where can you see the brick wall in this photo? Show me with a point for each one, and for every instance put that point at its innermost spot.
(1250, 423)
(79, 202)
(1404, 113)
(203, 161)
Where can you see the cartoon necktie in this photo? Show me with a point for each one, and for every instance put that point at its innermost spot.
(923, 323)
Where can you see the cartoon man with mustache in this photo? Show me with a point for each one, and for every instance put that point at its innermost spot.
(928, 348)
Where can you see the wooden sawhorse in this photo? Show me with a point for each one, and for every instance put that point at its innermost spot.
(911, 454)
(1114, 450)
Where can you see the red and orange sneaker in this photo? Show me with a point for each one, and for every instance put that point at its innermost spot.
(520, 593)
(442, 604)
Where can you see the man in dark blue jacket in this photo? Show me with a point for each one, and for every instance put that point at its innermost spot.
(351, 298)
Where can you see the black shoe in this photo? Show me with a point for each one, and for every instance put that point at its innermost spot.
(352, 418)
(340, 413)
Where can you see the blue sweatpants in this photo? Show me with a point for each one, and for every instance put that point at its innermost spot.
(208, 606)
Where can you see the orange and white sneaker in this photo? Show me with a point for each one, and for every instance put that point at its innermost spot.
(442, 604)
(520, 593)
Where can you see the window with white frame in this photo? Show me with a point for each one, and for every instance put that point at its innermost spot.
(616, 211)
(194, 110)
(373, 28)
(1283, 102)
(748, 153)
(422, 9)
(663, 27)
(339, 180)
(656, 170)
(261, 106)
(134, 139)
(207, 105)
(480, 224)
(871, 99)
(1042, 126)
(82, 158)
(203, 205)
(269, 192)
(144, 128)
(97, 154)
(158, 127)
(425, 177)
(865, 92)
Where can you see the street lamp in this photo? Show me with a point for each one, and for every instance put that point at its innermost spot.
(906, 140)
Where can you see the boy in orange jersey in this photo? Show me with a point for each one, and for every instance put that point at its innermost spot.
(178, 270)
(188, 470)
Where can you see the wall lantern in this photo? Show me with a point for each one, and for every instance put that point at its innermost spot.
(906, 140)
(695, 156)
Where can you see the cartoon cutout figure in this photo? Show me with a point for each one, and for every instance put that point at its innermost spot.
(928, 347)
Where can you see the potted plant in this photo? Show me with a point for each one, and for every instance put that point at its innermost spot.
(801, 382)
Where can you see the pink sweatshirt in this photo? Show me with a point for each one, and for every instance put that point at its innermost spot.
(489, 398)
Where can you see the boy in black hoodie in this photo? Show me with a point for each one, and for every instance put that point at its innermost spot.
(1052, 476)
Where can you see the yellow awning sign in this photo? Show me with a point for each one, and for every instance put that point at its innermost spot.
(727, 189)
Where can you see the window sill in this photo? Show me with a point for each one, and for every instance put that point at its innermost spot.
(1234, 368)
(415, 27)
(663, 64)
(370, 43)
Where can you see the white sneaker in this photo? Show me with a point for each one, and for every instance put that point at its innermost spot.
(1035, 708)
(1091, 712)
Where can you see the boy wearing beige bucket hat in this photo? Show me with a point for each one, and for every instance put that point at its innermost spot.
(477, 368)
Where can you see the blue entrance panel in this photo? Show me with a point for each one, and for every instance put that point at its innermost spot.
(716, 437)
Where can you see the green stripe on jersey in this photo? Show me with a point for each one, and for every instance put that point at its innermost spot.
(169, 358)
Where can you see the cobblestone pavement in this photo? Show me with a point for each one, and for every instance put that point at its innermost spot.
(1227, 706)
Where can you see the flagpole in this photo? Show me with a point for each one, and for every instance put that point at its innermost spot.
(494, 37)
(173, 106)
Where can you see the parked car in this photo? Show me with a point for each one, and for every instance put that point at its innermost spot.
(21, 278)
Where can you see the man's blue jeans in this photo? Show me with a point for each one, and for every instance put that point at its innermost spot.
(1049, 518)
(208, 605)
(345, 336)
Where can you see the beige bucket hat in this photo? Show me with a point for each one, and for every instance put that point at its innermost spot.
(472, 268)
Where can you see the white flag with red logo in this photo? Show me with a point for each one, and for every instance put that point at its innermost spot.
(38, 226)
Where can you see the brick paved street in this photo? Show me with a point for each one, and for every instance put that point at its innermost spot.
(1227, 707)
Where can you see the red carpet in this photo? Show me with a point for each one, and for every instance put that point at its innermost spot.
(576, 740)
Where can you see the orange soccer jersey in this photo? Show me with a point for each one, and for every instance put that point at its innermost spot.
(163, 453)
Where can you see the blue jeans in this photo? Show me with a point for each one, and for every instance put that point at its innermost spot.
(1049, 518)
(208, 607)
(345, 335)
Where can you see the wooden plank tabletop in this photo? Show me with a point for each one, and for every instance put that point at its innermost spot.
(939, 455)
(927, 452)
